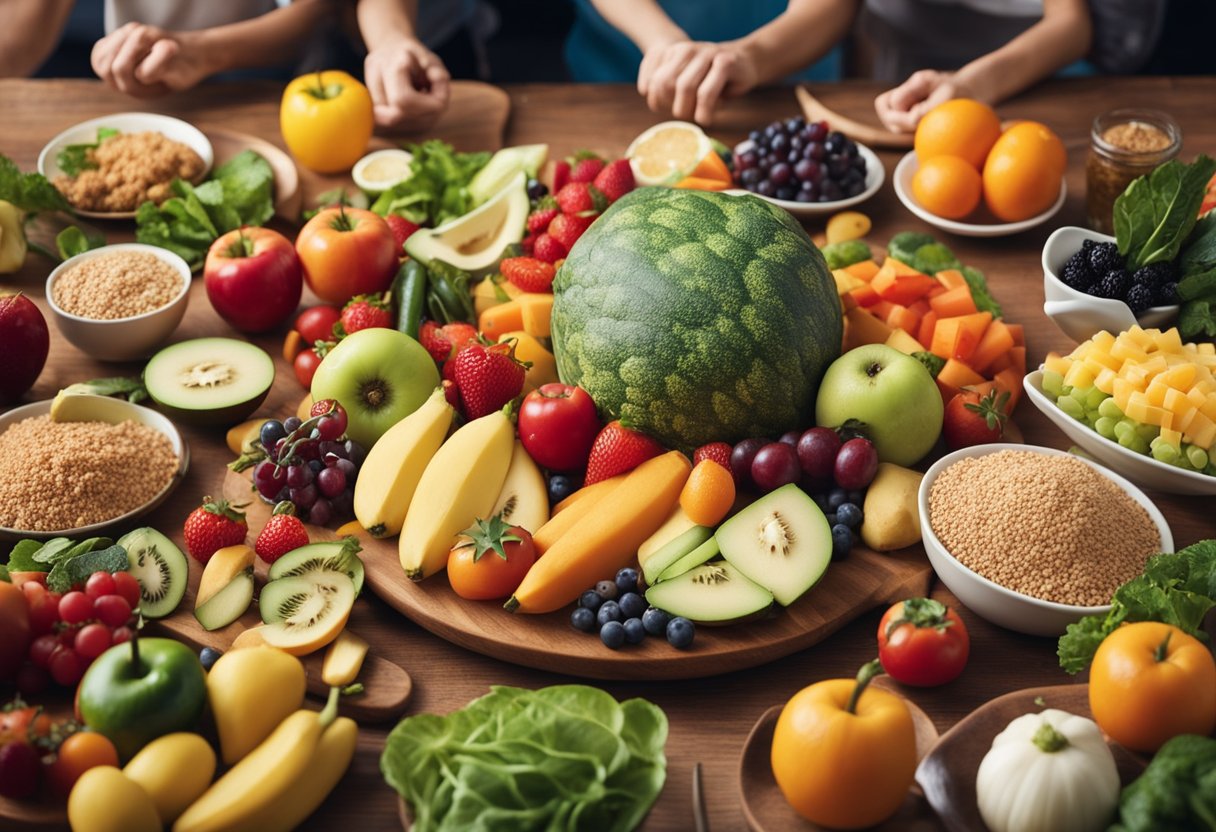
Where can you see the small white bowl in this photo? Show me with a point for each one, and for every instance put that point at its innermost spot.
(86, 133)
(107, 410)
(875, 176)
(906, 169)
(1080, 315)
(1141, 469)
(122, 339)
(990, 600)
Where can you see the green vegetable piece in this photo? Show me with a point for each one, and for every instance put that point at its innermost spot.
(53, 550)
(131, 389)
(437, 189)
(31, 192)
(21, 558)
(1199, 252)
(903, 246)
(4, 576)
(1156, 212)
(844, 254)
(72, 241)
(1177, 791)
(69, 572)
(978, 284)
(1197, 319)
(1199, 284)
(933, 363)
(935, 257)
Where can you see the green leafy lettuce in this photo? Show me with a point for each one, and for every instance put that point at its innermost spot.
(75, 157)
(438, 187)
(1178, 588)
(1176, 792)
(30, 192)
(846, 253)
(568, 757)
(923, 253)
(1156, 213)
(1197, 287)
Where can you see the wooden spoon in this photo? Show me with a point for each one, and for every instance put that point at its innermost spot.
(867, 134)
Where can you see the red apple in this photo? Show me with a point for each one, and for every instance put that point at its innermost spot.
(24, 340)
(253, 278)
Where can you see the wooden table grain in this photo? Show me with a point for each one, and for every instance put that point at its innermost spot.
(710, 718)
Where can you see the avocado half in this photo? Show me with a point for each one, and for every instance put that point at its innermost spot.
(209, 381)
(475, 242)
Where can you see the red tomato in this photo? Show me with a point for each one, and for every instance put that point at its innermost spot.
(306, 364)
(557, 426)
(922, 643)
(478, 571)
(79, 753)
(23, 725)
(347, 252)
(317, 323)
(15, 624)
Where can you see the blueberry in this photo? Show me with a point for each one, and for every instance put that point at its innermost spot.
(613, 635)
(751, 176)
(831, 518)
(786, 193)
(560, 487)
(537, 189)
(821, 500)
(583, 619)
(836, 498)
(272, 431)
(680, 632)
(632, 605)
(842, 541)
(609, 612)
(627, 579)
(315, 465)
(634, 631)
(857, 497)
(849, 515)
(655, 621)
(590, 600)
(607, 590)
(208, 656)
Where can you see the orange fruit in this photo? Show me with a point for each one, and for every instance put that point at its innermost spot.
(708, 493)
(958, 127)
(1023, 172)
(947, 186)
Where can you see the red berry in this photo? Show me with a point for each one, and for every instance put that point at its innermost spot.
(528, 273)
(402, 229)
(127, 586)
(22, 770)
(32, 680)
(615, 180)
(719, 452)
(282, 533)
(113, 610)
(92, 640)
(99, 584)
(488, 378)
(75, 608)
(586, 168)
(121, 635)
(42, 648)
(581, 197)
(561, 175)
(567, 228)
(618, 449)
(548, 249)
(66, 667)
(542, 215)
(213, 526)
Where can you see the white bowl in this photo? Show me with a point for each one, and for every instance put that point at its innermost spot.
(86, 133)
(1141, 469)
(906, 169)
(1080, 315)
(875, 176)
(108, 410)
(990, 600)
(122, 339)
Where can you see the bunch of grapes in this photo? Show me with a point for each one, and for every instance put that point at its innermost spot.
(799, 161)
(310, 463)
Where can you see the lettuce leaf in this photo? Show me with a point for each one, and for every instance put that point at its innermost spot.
(31, 192)
(1156, 213)
(437, 190)
(1176, 791)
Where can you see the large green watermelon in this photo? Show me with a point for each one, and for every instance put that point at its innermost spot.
(697, 316)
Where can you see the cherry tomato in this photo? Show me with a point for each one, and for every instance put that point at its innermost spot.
(23, 725)
(79, 753)
(317, 323)
(921, 642)
(557, 426)
(306, 364)
(476, 568)
(126, 585)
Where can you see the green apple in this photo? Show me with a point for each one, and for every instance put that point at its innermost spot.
(379, 376)
(141, 690)
(891, 393)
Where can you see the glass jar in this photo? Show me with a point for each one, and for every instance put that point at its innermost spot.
(1124, 144)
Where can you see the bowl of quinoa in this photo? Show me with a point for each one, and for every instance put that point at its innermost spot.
(1032, 538)
(119, 302)
(74, 478)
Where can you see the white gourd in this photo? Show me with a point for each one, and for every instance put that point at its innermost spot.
(1023, 786)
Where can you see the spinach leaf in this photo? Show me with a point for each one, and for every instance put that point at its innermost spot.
(1199, 253)
(933, 363)
(76, 570)
(21, 558)
(74, 158)
(903, 246)
(1157, 211)
(31, 192)
(978, 284)
(1176, 791)
(1197, 318)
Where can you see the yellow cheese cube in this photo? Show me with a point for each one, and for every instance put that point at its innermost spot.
(1105, 380)
(1202, 431)
(1174, 401)
(1137, 407)
(1103, 341)
(1206, 348)
(1197, 397)
(1128, 350)
(1181, 376)
(1169, 341)
(1121, 391)
(1079, 375)
(1182, 421)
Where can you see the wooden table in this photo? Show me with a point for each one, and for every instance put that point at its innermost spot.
(709, 718)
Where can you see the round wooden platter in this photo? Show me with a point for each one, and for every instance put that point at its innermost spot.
(850, 588)
(947, 775)
(765, 807)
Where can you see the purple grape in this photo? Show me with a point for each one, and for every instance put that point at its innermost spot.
(269, 479)
(808, 170)
(830, 191)
(837, 167)
(747, 161)
(348, 469)
(775, 465)
(797, 143)
(321, 512)
(308, 450)
(750, 177)
(786, 192)
(804, 195)
(818, 131)
(303, 497)
(277, 453)
(291, 423)
(791, 437)
(794, 123)
(331, 482)
(765, 187)
(343, 504)
(817, 449)
(792, 157)
(815, 151)
(298, 476)
(780, 174)
(355, 452)
(331, 447)
(780, 143)
(741, 457)
(856, 464)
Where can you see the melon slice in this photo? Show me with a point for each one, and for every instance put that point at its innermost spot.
(713, 593)
(475, 241)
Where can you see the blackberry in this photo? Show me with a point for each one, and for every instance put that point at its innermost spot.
(1104, 257)
(1154, 274)
(1113, 285)
(1139, 298)
(1167, 294)
(1086, 245)
(1075, 273)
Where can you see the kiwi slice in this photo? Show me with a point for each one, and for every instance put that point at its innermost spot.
(229, 604)
(161, 569)
(319, 558)
(707, 551)
(305, 613)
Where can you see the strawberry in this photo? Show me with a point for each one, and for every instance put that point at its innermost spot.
(459, 335)
(580, 197)
(618, 449)
(212, 526)
(542, 215)
(488, 377)
(586, 167)
(567, 228)
(561, 175)
(615, 180)
(528, 273)
(401, 228)
(528, 245)
(548, 249)
(282, 533)
(971, 420)
(719, 452)
(365, 312)
(431, 337)
(452, 393)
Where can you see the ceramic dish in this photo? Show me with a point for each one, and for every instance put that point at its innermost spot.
(106, 410)
(1080, 315)
(906, 169)
(1141, 469)
(287, 195)
(947, 775)
(875, 176)
(86, 132)
(990, 600)
(121, 339)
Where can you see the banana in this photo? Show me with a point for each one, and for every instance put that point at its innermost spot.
(344, 659)
(459, 485)
(393, 466)
(524, 499)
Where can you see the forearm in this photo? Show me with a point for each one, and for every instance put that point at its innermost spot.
(273, 38)
(802, 34)
(642, 21)
(381, 22)
(31, 30)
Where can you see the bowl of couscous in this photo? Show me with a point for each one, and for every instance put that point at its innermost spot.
(1032, 538)
(119, 302)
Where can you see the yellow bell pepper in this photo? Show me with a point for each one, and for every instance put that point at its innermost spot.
(326, 120)
(12, 237)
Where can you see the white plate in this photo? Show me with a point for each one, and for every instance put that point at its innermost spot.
(906, 169)
(1141, 469)
(113, 408)
(86, 133)
(875, 176)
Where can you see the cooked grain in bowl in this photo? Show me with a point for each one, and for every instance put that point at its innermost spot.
(1050, 527)
(64, 475)
(130, 168)
(119, 284)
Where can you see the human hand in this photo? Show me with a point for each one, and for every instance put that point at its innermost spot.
(409, 84)
(901, 108)
(146, 61)
(688, 78)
